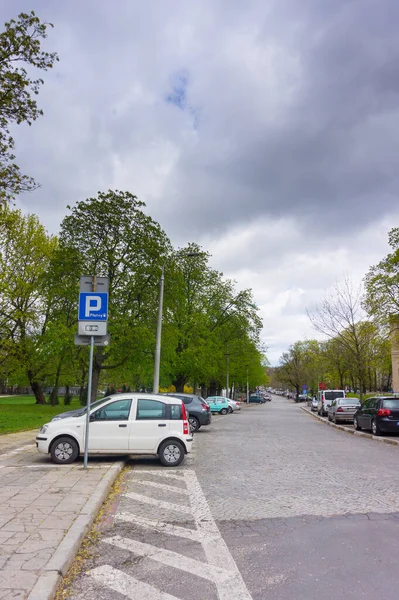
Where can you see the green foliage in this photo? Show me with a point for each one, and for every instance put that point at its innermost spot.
(382, 284)
(20, 50)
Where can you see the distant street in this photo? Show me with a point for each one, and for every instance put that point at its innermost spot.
(272, 505)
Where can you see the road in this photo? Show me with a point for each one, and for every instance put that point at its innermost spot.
(273, 504)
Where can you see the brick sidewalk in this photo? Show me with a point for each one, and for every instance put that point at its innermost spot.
(45, 510)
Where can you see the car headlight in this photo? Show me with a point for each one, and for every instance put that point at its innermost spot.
(44, 428)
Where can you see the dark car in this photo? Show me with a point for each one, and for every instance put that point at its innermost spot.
(380, 414)
(199, 413)
(256, 399)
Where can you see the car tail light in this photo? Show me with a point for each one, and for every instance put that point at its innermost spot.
(384, 412)
(185, 422)
(205, 406)
(340, 409)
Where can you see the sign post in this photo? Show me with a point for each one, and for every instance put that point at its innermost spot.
(92, 329)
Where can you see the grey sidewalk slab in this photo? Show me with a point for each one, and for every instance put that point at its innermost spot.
(45, 511)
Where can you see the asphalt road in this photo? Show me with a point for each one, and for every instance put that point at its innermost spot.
(271, 505)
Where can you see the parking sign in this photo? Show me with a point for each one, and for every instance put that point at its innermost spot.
(93, 306)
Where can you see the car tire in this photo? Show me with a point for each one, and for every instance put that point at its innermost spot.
(328, 417)
(229, 410)
(171, 453)
(194, 424)
(356, 424)
(223, 411)
(335, 420)
(374, 428)
(64, 450)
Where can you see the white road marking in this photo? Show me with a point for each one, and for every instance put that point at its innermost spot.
(159, 503)
(16, 451)
(171, 559)
(215, 548)
(161, 526)
(127, 586)
(159, 473)
(162, 486)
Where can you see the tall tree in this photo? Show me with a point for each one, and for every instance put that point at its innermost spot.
(340, 316)
(114, 237)
(20, 50)
(25, 308)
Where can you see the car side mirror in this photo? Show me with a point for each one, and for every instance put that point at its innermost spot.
(93, 417)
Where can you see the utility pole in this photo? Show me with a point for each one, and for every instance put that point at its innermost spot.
(155, 386)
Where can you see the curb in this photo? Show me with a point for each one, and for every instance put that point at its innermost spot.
(59, 564)
(393, 442)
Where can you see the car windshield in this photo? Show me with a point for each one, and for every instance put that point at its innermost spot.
(393, 403)
(333, 395)
(348, 401)
(97, 403)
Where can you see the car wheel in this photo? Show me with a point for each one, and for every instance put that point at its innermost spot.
(223, 411)
(374, 428)
(194, 424)
(171, 453)
(64, 451)
(328, 417)
(356, 424)
(229, 410)
(335, 420)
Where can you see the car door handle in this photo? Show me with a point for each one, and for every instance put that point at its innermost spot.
(161, 424)
(124, 425)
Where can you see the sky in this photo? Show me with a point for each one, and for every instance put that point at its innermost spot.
(267, 131)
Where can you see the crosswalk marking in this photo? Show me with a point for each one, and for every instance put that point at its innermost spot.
(190, 534)
(170, 559)
(159, 503)
(162, 474)
(162, 486)
(128, 586)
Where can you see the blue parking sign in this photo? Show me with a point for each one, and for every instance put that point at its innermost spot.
(93, 306)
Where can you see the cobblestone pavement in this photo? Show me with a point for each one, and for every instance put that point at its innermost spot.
(272, 505)
(39, 502)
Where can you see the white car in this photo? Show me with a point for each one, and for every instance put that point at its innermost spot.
(125, 423)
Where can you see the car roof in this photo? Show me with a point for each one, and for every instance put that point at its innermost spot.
(181, 394)
(142, 396)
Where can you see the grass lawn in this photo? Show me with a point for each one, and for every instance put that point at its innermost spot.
(20, 413)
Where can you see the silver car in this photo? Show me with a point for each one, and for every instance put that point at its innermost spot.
(313, 403)
(343, 409)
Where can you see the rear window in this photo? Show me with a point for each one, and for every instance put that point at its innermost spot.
(176, 412)
(391, 403)
(348, 401)
(151, 409)
(333, 395)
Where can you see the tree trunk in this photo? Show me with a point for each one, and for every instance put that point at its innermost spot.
(95, 381)
(37, 390)
(212, 390)
(179, 383)
(54, 394)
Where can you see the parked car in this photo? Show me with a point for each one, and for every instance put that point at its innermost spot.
(125, 423)
(325, 399)
(313, 405)
(233, 404)
(256, 399)
(199, 413)
(218, 404)
(343, 409)
(380, 414)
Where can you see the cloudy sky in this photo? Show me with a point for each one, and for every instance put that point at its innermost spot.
(265, 130)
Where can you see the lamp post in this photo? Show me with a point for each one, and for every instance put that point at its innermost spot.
(247, 387)
(157, 363)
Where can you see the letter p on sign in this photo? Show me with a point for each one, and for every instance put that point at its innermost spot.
(93, 304)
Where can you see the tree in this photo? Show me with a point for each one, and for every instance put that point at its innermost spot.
(297, 365)
(111, 236)
(382, 284)
(25, 303)
(20, 47)
(341, 317)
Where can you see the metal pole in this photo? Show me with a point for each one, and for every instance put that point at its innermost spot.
(88, 402)
(247, 388)
(155, 387)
